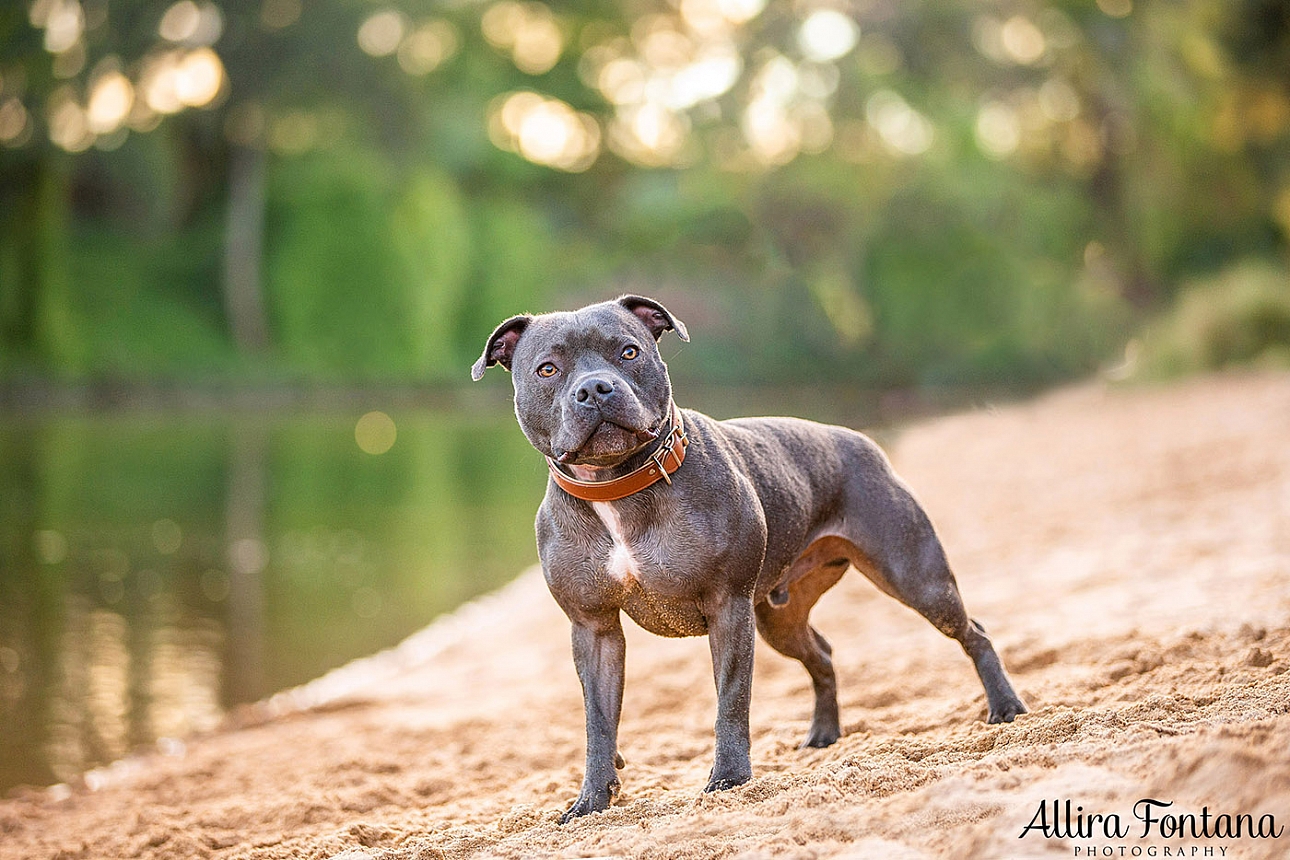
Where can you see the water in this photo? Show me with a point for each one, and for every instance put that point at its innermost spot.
(157, 568)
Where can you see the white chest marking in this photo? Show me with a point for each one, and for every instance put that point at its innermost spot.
(622, 565)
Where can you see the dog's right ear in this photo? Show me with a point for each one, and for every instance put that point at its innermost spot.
(500, 348)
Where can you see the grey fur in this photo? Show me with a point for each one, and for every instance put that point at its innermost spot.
(765, 515)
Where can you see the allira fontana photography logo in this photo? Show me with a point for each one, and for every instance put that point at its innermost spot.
(1172, 832)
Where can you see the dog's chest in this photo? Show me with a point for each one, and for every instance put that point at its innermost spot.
(654, 598)
(621, 566)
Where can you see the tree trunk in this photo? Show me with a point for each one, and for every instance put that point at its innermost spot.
(244, 248)
(37, 321)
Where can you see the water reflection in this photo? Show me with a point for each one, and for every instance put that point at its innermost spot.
(156, 569)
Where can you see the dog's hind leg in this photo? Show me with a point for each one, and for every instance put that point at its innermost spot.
(785, 627)
(934, 594)
(919, 576)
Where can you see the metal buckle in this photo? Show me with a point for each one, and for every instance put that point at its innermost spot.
(668, 447)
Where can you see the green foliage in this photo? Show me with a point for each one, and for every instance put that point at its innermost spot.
(344, 303)
(964, 289)
(430, 236)
(514, 269)
(1074, 167)
(1239, 317)
(139, 304)
(374, 272)
(38, 319)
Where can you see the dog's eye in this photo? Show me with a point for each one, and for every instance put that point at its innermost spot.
(630, 352)
(547, 370)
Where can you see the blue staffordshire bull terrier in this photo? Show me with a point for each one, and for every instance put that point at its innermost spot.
(696, 527)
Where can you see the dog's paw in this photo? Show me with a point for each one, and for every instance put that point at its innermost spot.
(1006, 712)
(723, 782)
(591, 800)
(821, 738)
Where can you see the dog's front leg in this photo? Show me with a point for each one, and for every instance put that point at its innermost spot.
(730, 636)
(598, 653)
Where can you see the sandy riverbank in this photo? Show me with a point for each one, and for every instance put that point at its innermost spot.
(1128, 549)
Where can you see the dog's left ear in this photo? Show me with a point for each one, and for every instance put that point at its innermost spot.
(656, 317)
(500, 348)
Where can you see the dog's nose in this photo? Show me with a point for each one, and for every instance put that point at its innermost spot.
(596, 388)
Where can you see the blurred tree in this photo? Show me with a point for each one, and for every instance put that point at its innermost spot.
(905, 191)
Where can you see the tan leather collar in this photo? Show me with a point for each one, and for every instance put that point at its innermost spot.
(665, 460)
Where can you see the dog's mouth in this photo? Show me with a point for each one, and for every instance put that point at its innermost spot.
(607, 444)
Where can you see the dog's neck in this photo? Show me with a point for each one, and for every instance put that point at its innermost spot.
(643, 468)
(634, 460)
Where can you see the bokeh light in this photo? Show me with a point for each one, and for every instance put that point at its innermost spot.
(180, 21)
(111, 98)
(427, 47)
(157, 83)
(740, 11)
(173, 80)
(903, 129)
(380, 34)
(62, 20)
(69, 127)
(375, 433)
(668, 66)
(1116, 8)
(528, 31)
(167, 536)
(278, 14)
(998, 129)
(192, 24)
(650, 134)
(1058, 100)
(1022, 40)
(545, 131)
(15, 123)
(826, 35)
(294, 132)
(199, 77)
(767, 126)
(713, 71)
(248, 556)
(214, 584)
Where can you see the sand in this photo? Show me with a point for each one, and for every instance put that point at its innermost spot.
(1127, 548)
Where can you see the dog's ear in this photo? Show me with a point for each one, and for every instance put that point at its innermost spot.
(656, 317)
(500, 348)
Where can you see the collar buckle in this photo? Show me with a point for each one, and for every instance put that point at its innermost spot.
(669, 446)
(657, 467)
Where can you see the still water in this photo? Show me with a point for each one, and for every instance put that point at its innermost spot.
(159, 567)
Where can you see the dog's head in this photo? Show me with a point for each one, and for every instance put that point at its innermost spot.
(590, 386)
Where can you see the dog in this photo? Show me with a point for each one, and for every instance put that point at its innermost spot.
(694, 526)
